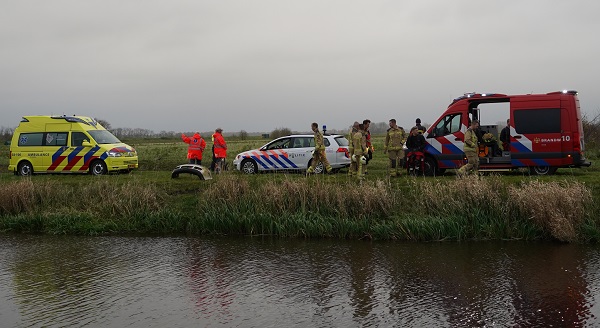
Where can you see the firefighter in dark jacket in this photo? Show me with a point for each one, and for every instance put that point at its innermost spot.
(415, 141)
(505, 136)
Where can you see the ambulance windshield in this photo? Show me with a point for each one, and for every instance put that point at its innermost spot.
(103, 137)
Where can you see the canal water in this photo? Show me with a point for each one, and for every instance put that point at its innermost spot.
(69, 281)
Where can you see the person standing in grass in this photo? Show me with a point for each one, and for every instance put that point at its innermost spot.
(505, 136)
(369, 154)
(319, 152)
(196, 146)
(471, 148)
(394, 140)
(421, 129)
(220, 150)
(415, 143)
(359, 143)
(353, 130)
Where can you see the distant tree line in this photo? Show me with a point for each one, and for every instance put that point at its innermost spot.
(6, 134)
(591, 134)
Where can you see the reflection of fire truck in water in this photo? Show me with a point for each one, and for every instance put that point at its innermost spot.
(546, 133)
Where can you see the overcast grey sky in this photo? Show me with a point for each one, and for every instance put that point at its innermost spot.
(256, 65)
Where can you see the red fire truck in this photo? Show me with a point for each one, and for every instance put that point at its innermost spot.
(546, 133)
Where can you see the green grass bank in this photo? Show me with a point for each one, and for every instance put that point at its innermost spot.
(295, 206)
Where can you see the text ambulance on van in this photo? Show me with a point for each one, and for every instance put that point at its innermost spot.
(67, 144)
(546, 133)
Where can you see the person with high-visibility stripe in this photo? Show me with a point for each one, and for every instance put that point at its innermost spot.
(359, 142)
(196, 146)
(353, 130)
(220, 150)
(319, 152)
(471, 149)
(394, 140)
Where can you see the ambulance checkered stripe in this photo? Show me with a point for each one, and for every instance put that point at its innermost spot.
(74, 157)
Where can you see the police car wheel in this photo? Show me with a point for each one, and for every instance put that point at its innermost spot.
(98, 167)
(318, 169)
(249, 166)
(25, 169)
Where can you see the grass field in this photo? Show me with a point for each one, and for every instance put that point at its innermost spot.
(514, 205)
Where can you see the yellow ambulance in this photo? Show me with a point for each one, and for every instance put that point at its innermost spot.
(67, 144)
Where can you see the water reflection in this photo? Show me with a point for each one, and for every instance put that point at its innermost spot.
(181, 282)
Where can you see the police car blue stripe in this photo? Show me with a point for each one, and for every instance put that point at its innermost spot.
(275, 158)
(266, 159)
(289, 162)
(257, 159)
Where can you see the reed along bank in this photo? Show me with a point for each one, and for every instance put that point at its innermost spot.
(292, 206)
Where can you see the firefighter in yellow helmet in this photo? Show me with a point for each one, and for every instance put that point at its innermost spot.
(319, 152)
(394, 140)
(353, 130)
(359, 143)
(471, 148)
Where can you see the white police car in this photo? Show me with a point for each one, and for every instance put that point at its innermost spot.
(293, 152)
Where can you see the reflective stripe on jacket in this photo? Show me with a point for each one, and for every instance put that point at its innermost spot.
(319, 145)
(196, 146)
(395, 138)
(470, 141)
(220, 145)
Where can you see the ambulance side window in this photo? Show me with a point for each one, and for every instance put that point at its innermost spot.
(31, 139)
(77, 138)
(56, 139)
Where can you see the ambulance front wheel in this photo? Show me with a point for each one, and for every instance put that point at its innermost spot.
(98, 167)
(25, 169)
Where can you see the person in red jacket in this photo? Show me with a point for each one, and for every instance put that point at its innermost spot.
(196, 146)
(220, 149)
